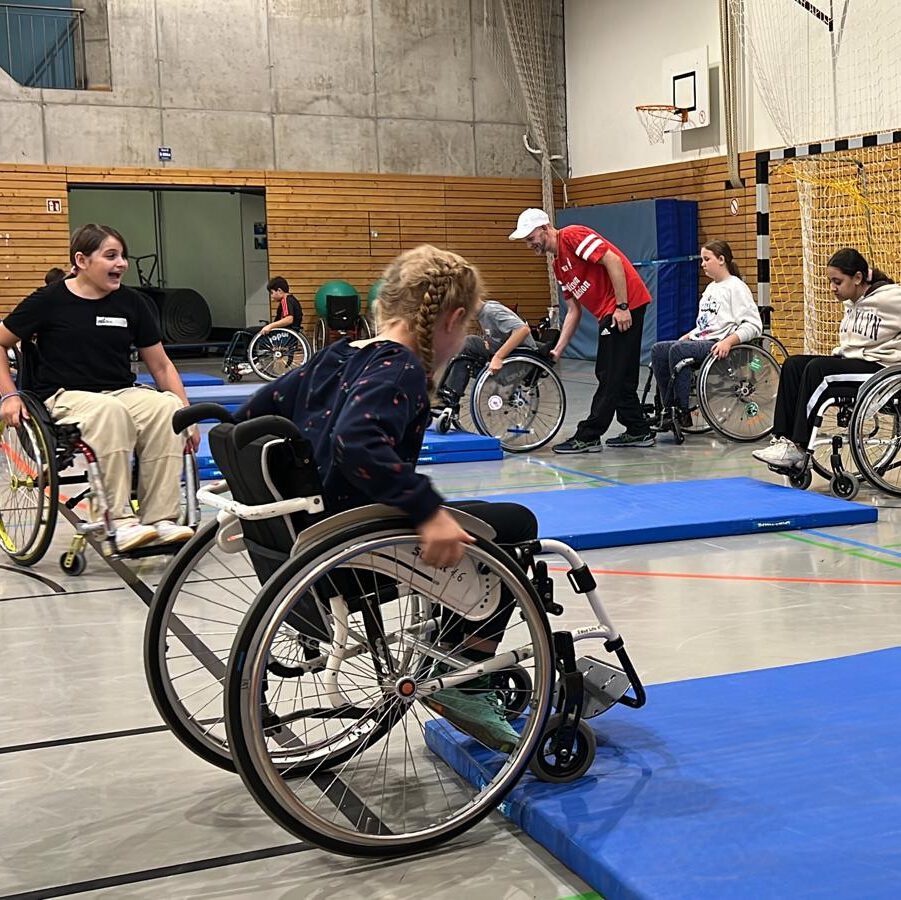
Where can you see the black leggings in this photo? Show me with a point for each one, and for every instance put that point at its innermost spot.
(807, 381)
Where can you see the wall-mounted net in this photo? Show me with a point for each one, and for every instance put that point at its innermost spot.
(827, 69)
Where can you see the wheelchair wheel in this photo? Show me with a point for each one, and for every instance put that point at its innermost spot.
(874, 433)
(557, 767)
(365, 329)
(29, 488)
(738, 394)
(282, 349)
(193, 618)
(375, 708)
(320, 335)
(523, 405)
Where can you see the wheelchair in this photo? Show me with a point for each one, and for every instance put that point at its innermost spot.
(856, 439)
(343, 319)
(33, 460)
(735, 396)
(269, 356)
(304, 650)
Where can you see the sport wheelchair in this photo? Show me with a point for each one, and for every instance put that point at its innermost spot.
(335, 673)
(523, 405)
(33, 458)
(735, 396)
(268, 356)
(855, 439)
(343, 318)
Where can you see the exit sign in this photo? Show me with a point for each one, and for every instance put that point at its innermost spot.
(54, 206)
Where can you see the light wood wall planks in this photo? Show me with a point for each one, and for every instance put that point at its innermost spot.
(321, 226)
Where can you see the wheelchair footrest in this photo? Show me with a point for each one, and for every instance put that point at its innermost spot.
(603, 685)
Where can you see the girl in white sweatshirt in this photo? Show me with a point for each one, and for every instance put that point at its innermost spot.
(869, 338)
(727, 315)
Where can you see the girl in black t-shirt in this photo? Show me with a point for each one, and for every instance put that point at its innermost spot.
(84, 328)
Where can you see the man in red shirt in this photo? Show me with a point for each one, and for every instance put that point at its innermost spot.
(595, 274)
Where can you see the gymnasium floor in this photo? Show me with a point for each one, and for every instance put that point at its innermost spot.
(100, 801)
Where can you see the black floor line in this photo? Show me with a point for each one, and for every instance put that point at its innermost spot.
(83, 739)
(198, 865)
(27, 573)
(64, 594)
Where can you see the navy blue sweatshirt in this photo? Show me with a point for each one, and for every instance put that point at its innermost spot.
(365, 411)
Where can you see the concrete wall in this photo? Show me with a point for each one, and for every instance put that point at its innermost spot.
(613, 63)
(311, 85)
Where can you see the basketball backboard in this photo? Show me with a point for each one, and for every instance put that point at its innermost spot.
(686, 85)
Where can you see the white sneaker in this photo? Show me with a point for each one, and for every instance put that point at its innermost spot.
(130, 537)
(167, 532)
(781, 454)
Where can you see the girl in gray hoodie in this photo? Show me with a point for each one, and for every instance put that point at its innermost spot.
(869, 339)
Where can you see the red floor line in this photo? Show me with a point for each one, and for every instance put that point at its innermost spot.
(771, 579)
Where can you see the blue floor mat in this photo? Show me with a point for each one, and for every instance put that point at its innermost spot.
(437, 449)
(680, 510)
(780, 783)
(188, 379)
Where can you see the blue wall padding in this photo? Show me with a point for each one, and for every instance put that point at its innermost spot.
(776, 783)
(617, 516)
(646, 231)
(188, 379)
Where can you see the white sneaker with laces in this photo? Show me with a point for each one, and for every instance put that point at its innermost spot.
(167, 532)
(130, 537)
(781, 454)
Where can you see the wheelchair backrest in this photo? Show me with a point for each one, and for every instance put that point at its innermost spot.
(269, 468)
(342, 313)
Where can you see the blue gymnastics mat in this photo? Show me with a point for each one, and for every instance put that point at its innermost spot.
(615, 516)
(437, 449)
(777, 783)
(188, 379)
(231, 396)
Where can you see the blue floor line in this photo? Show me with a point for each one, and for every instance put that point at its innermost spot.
(845, 540)
(591, 475)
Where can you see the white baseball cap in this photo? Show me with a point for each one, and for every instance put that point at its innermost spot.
(529, 220)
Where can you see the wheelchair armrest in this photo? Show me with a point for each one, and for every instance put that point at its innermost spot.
(277, 426)
(198, 412)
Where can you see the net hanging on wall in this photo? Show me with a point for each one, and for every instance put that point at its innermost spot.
(827, 69)
(524, 42)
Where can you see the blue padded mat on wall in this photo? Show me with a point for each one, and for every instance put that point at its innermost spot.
(768, 784)
(188, 379)
(649, 232)
(680, 510)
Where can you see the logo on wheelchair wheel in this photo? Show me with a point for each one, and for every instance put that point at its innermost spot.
(752, 410)
(495, 402)
(756, 364)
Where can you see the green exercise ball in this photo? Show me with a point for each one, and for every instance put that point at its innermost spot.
(335, 288)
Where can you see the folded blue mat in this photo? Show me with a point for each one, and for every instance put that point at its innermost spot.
(680, 510)
(188, 379)
(226, 394)
(777, 783)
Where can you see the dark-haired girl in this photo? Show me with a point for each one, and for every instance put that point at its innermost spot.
(869, 338)
(727, 316)
(85, 327)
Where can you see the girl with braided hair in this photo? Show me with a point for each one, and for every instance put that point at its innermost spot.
(364, 406)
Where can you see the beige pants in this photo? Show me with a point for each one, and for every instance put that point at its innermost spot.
(116, 424)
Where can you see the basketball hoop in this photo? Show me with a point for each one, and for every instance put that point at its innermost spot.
(657, 116)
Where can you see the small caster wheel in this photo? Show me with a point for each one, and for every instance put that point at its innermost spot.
(557, 768)
(678, 433)
(73, 564)
(844, 485)
(233, 377)
(801, 480)
(515, 688)
(443, 422)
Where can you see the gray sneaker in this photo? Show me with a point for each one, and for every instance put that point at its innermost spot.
(631, 440)
(574, 445)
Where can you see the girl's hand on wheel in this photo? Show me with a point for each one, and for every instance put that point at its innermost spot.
(443, 540)
(12, 411)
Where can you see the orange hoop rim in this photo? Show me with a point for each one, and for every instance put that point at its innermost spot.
(663, 111)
